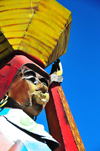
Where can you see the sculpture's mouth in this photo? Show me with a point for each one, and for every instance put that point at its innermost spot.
(37, 97)
(40, 98)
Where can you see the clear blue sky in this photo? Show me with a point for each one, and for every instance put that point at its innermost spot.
(81, 65)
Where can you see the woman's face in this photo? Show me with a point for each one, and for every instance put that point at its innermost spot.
(30, 91)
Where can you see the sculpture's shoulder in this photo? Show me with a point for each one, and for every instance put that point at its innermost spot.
(16, 126)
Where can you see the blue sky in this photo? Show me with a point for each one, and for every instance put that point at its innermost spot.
(81, 65)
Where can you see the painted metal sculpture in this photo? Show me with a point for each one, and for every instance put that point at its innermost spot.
(28, 91)
(33, 34)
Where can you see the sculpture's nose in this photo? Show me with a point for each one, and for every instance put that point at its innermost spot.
(41, 86)
(39, 93)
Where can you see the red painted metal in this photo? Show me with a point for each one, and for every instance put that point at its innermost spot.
(58, 123)
(31, 57)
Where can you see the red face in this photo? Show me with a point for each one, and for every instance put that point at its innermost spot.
(30, 91)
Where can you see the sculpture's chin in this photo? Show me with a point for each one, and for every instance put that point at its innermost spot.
(33, 110)
(38, 103)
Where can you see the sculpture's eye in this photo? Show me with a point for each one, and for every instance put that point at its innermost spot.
(31, 76)
(44, 81)
(29, 72)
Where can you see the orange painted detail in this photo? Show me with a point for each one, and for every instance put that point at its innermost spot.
(17, 146)
(71, 121)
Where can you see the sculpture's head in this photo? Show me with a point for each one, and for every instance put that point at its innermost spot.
(26, 85)
(30, 90)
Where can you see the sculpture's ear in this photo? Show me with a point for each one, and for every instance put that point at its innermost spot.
(5, 47)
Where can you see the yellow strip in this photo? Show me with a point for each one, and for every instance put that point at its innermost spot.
(5, 101)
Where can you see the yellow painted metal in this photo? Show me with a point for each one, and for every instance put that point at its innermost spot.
(38, 27)
(5, 47)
